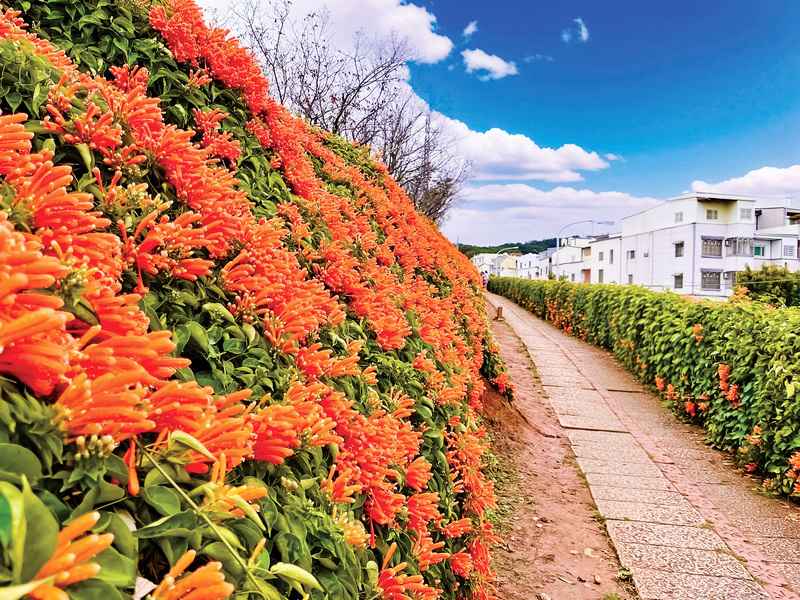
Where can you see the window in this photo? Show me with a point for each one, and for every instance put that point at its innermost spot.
(678, 283)
(679, 217)
(788, 251)
(600, 276)
(630, 277)
(712, 247)
(572, 277)
(710, 280)
(586, 252)
(678, 249)
(759, 251)
(740, 247)
(746, 214)
(600, 256)
(611, 256)
(712, 214)
(646, 254)
(631, 254)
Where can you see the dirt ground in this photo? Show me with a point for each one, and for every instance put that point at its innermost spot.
(554, 542)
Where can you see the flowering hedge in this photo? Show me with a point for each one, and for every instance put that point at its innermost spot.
(731, 367)
(232, 356)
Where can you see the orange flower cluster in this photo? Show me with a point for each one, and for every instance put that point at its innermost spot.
(69, 563)
(110, 379)
(206, 583)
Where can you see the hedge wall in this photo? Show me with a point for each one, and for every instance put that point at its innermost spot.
(232, 356)
(733, 367)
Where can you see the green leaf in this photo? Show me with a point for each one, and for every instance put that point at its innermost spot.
(93, 589)
(40, 537)
(165, 500)
(115, 568)
(14, 527)
(219, 551)
(124, 539)
(182, 524)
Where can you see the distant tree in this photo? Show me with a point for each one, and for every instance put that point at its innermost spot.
(531, 247)
(360, 93)
(771, 284)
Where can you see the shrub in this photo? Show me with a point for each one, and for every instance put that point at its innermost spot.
(771, 284)
(731, 367)
(233, 357)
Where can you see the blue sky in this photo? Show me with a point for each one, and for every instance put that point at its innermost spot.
(682, 90)
(594, 110)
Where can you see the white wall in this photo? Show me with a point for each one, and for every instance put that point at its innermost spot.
(606, 257)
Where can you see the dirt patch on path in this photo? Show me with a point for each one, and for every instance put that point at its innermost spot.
(554, 547)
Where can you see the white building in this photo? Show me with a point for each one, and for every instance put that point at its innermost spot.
(571, 260)
(695, 244)
(501, 265)
(605, 261)
(527, 265)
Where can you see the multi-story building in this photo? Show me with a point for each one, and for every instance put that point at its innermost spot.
(501, 265)
(695, 244)
(605, 261)
(571, 260)
(526, 266)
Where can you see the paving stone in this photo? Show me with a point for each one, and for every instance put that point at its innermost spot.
(766, 527)
(645, 496)
(681, 560)
(700, 474)
(603, 453)
(585, 395)
(600, 437)
(591, 423)
(684, 514)
(782, 550)
(629, 482)
(660, 585)
(790, 572)
(583, 409)
(648, 469)
(700, 538)
(746, 500)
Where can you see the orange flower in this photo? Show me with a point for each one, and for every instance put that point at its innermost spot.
(418, 473)
(422, 509)
(393, 584)
(69, 562)
(205, 583)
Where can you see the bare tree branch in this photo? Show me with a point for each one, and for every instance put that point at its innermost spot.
(360, 93)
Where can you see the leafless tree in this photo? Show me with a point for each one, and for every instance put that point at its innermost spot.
(360, 93)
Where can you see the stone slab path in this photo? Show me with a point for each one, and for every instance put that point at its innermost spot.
(683, 520)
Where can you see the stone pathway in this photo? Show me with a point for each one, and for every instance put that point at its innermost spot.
(684, 521)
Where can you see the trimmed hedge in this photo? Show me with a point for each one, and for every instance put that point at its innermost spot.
(730, 367)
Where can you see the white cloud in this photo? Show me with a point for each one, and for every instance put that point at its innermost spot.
(538, 58)
(488, 66)
(498, 154)
(766, 181)
(610, 156)
(579, 32)
(493, 214)
(470, 29)
(583, 31)
(376, 19)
